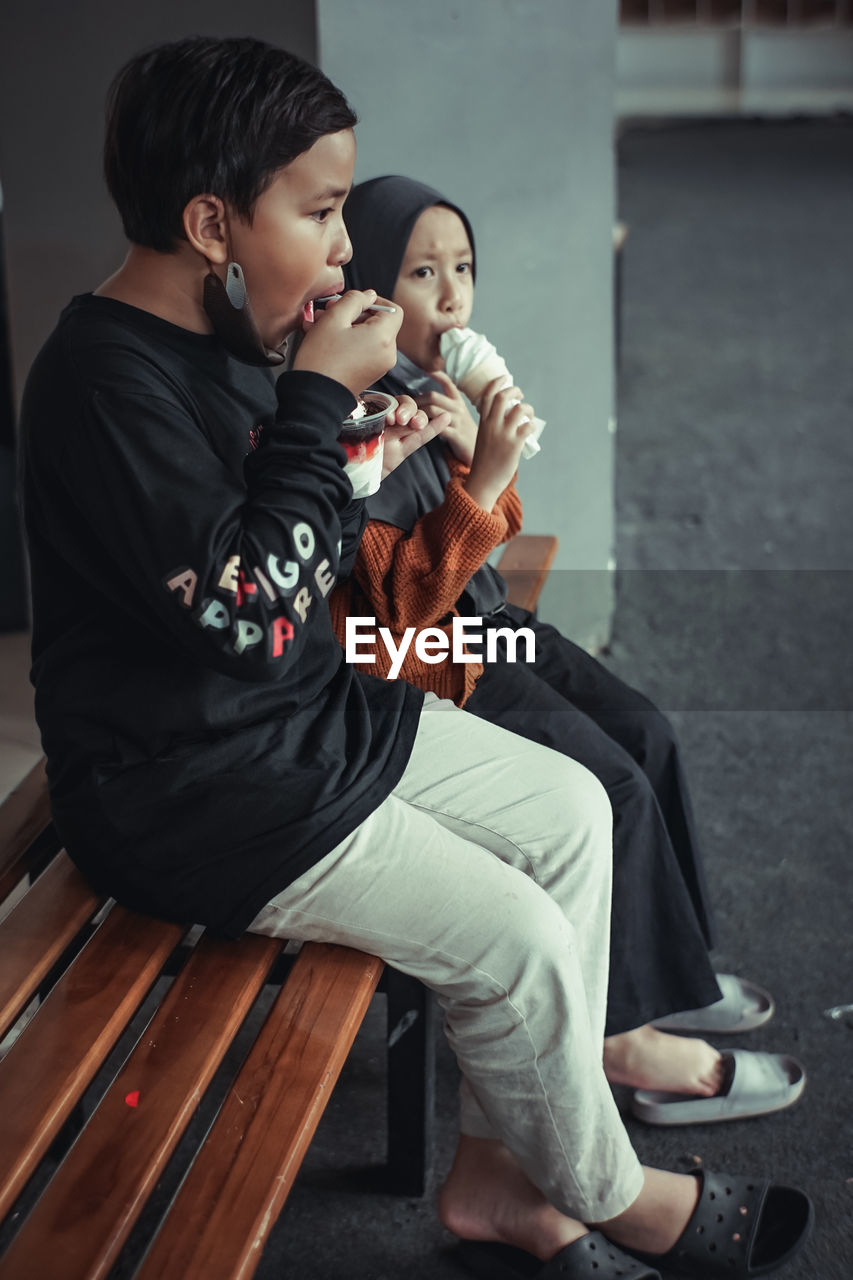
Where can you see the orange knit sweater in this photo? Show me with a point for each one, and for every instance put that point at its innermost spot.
(414, 579)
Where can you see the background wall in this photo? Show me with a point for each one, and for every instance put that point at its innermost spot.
(504, 104)
(62, 232)
(62, 235)
(731, 69)
(13, 595)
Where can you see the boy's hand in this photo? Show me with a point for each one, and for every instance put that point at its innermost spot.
(505, 423)
(461, 434)
(354, 351)
(406, 428)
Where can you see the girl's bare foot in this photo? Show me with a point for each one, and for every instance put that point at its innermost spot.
(650, 1059)
(487, 1196)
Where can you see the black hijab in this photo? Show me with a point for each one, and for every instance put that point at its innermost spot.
(380, 216)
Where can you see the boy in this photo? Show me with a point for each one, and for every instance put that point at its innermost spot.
(187, 607)
(211, 756)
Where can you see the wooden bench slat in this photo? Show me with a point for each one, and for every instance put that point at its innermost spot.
(35, 934)
(50, 1065)
(87, 1211)
(235, 1190)
(24, 814)
(524, 563)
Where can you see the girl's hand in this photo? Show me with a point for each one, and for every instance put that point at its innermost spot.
(354, 351)
(461, 432)
(406, 428)
(505, 423)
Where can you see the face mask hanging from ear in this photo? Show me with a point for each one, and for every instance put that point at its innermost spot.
(228, 310)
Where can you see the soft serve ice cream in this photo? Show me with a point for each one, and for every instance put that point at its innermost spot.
(473, 362)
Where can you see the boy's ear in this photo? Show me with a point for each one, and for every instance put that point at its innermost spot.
(205, 227)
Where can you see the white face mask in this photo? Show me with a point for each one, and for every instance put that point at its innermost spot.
(228, 310)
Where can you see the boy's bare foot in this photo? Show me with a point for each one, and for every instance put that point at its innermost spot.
(656, 1219)
(487, 1196)
(650, 1059)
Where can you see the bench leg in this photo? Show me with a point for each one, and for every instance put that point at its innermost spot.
(411, 1082)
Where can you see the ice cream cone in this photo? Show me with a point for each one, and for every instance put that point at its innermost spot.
(475, 381)
(473, 362)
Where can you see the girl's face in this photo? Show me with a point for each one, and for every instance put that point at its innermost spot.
(435, 286)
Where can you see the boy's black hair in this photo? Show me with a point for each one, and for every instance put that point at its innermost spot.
(209, 115)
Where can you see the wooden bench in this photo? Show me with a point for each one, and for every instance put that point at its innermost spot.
(101, 976)
(524, 565)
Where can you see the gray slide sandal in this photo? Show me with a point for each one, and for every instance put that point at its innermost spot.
(744, 1007)
(757, 1085)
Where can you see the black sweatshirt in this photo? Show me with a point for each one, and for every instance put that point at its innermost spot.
(186, 518)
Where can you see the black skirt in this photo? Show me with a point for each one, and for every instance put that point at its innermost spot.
(661, 922)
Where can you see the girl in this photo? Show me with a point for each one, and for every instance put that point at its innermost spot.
(422, 560)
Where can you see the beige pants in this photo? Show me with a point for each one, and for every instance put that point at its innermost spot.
(486, 874)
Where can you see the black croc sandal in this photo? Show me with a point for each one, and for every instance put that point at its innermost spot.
(741, 1227)
(592, 1257)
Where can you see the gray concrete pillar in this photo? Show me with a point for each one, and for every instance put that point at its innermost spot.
(506, 106)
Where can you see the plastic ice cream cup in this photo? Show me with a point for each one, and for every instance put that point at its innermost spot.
(362, 435)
